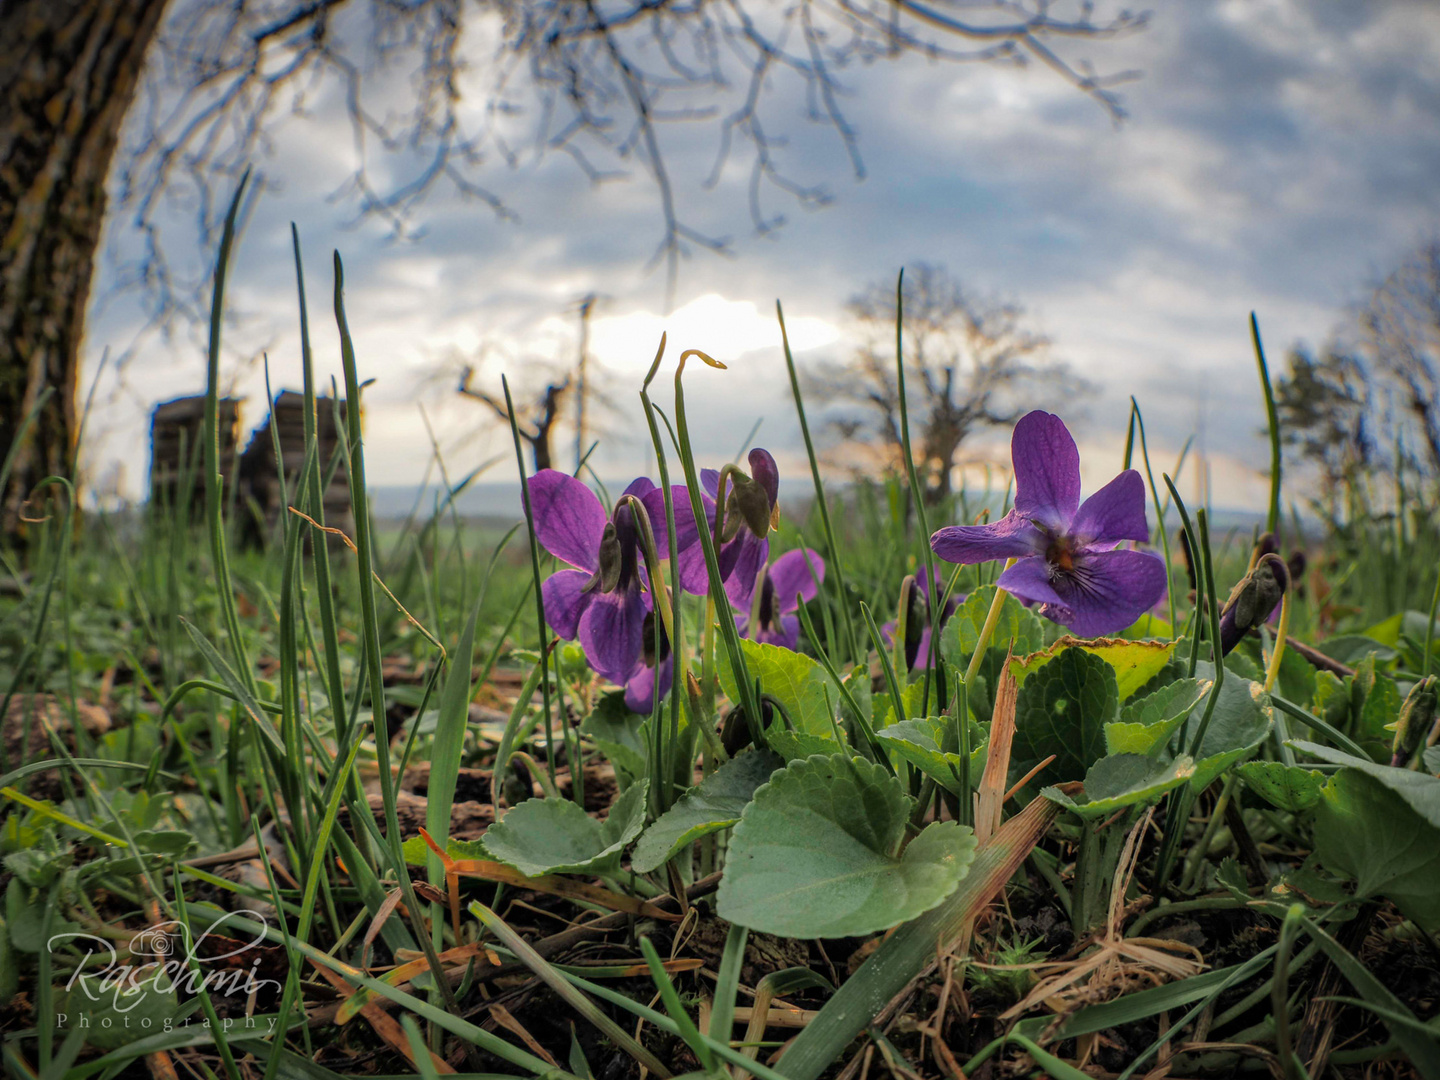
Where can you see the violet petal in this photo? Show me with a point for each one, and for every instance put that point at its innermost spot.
(610, 632)
(1106, 591)
(1047, 470)
(790, 575)
(1012, 537)
(566, 600)
(1029, 580)
(747, 554)
(569, 519)
(1116, 512)
(691, 560)
(640, 687)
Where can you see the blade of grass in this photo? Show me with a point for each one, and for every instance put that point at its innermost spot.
(917, 495)
(835, 565)
(472, 1033)
(566, 992)
(727, 985)
(1272, 419)
(369, 610)
(214, 514)
(698, 1044)
(320, 553)
(665, 1023)
(1280, 991)
(1423, 1050)
(1139, 420)
(541, 626)
(227, 1058)
(448, 743)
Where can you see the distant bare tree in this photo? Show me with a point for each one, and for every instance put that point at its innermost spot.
(535, 421)
(1326, 410)
(1397, 336)
(197, 85)
(970, 363)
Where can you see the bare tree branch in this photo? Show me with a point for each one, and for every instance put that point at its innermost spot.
(594, 79)
(969, 364)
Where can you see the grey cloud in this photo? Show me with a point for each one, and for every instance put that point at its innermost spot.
(1276, 155)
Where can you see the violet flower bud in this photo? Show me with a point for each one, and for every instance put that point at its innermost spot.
(1416, 717)
(747, 506)
(610, 558)
(916, 609)
(1252, 600)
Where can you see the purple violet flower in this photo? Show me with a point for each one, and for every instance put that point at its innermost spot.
(743, 552)
(769, 604)
(1068, 562)
(601, 601)
(917, 646)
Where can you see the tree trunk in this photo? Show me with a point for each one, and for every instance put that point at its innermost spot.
(69, 70)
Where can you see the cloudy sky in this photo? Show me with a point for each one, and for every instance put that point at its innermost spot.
(1276, 156)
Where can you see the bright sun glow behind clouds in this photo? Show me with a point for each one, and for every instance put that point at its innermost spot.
(725, 329)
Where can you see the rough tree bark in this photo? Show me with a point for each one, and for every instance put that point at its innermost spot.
(69, 70)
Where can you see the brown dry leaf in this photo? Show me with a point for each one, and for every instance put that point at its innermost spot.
(385, 1025)
(507, 1020)
(991, 794)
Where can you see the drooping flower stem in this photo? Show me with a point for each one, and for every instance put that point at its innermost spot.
(1181, 801)
(986, 632)
(1211, 599)
(1272, 675)
(703, 716)
(748, 698)
(1272, 670)
(708, 682)
(1200, 583)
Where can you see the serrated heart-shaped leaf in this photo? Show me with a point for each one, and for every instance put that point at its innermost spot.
(1420, 791)
(715, 804)
(918, 741)
(797, 745)
(1134, 662)
(555, 836)
(1016, 627)
(1147, 723)
(1123, 780)
(1288, 787)
(817, 854)
(1062, 709)
(799, 685)
(619, 734)
(1016, 624)
(1240, 722)
(1367, 830)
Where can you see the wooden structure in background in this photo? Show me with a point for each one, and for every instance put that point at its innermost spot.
(176, 429)
(260, 477)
